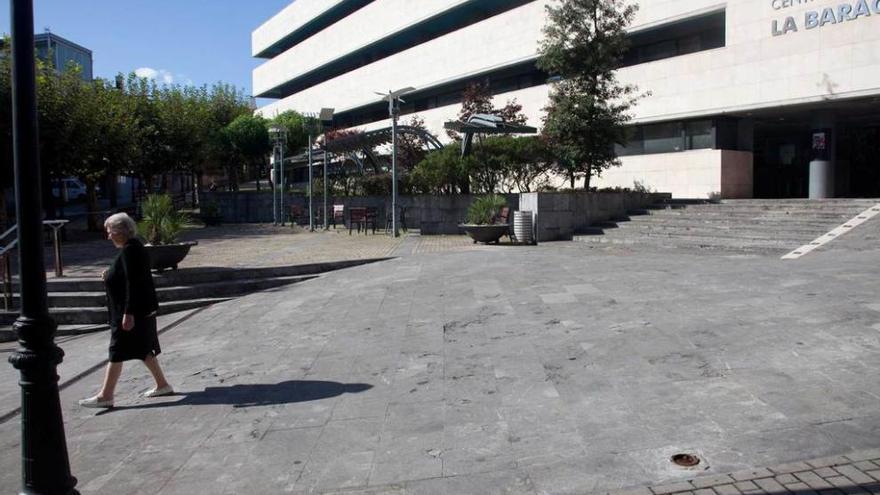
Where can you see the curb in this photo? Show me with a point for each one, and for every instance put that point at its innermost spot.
(857, 472)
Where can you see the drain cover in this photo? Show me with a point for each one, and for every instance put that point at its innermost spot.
(686, 460)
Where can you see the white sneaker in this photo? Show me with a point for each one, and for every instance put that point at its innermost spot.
(159, 392)
(95, 402)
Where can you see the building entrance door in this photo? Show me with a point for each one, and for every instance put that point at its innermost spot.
(782, 162)
(859, 162)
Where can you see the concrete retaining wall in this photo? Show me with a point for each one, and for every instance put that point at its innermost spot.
(432, 214)
(559, 215)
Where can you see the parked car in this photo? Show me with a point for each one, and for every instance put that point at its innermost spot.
(73, 189)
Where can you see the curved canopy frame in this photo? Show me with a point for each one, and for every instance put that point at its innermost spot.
(379, 137)
(482, 123)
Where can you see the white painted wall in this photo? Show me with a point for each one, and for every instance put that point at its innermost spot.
(687, 174)
(291, 18)
(512, 37)
(756, 69)
(363, 27)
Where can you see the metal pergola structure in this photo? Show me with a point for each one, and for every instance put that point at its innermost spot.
(482, 123)
(364, 143)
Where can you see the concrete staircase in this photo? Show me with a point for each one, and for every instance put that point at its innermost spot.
(771, 227)
(78, 305)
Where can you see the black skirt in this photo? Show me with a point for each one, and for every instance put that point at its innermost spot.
(137, 343)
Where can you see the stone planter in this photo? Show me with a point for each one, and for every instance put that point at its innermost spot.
(167, 256)
(485, 233)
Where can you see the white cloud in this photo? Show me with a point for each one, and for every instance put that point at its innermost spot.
(158, 75)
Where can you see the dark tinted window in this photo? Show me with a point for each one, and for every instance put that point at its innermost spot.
(700, 33)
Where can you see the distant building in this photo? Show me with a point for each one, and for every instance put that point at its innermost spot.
(62, 52)
(770, 98)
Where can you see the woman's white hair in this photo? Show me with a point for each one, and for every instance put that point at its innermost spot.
(121, 223)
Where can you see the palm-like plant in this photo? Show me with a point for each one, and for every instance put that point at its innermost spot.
(485, 209)
(161, 222)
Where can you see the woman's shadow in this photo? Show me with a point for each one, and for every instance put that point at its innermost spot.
(286, 392)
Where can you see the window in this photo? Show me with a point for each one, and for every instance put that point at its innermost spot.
(670, 137)
(692, 35)
(699, 134)
(663, 138)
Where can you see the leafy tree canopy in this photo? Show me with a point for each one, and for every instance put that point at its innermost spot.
(584, 42)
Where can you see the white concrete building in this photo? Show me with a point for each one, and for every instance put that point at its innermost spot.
(763, 98)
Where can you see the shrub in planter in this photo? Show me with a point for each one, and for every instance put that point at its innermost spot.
(485, 209)
(481, 217)
(160, 225)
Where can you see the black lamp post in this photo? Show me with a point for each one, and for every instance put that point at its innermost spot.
(45, 465)
(278, 134)
(326, 117)
(394, 100)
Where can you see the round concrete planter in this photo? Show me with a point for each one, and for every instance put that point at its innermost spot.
(485, 233)
(167, 256)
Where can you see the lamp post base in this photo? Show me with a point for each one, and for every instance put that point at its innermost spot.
(45, 465)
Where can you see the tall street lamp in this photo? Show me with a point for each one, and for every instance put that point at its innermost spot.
(278, 134)
(394, 100)
(326, 117)
(45, 464)
(314, 125)
(310, 126)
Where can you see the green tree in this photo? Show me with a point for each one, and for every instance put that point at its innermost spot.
(297, 127)
(249, 137)
(222, 103)
(511, 164)
(6, 167)
(584, 42)
(477, 98)
(86, 130)
(442, 172)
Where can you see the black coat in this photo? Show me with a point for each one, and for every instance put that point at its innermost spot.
(129, 283)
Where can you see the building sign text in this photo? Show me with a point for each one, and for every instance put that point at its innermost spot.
(850, 11)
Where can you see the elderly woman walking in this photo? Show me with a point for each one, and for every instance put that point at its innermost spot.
(131, 300)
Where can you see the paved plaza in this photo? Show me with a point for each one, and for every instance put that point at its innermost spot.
(259, 245)
(553, 369)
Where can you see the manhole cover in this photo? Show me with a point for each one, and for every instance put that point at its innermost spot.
(686, 460)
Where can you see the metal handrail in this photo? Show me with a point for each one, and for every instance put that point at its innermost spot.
(6, 265)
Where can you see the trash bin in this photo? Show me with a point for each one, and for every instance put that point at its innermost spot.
(523, 229)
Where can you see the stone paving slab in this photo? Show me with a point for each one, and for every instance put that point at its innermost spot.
(455, 373)
(82, 353)
(259, 245)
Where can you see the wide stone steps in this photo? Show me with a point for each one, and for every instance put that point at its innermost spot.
(94, 315)
(75, 303)
(166, 294)
(751, 226)
(745, 213)
(716, 243)
(722, 226)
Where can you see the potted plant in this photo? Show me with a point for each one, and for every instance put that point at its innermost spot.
(483, 219)
(160, 225)
(210, 213)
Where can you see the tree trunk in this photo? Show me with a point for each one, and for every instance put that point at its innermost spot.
(48, 199)
(587, 177)
(92, 207)
(259, 171)
(193, 185)
(111, 191)
(199, 189)
(571, 180)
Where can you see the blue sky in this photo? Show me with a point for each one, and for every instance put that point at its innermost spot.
(184, 41)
